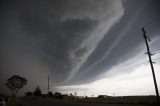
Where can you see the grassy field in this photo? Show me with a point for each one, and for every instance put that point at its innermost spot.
(123, 100)
(109, 101)
(27, 101)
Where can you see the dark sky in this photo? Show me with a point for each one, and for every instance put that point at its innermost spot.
(74, 41)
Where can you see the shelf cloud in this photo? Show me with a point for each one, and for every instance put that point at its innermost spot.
(72, 41)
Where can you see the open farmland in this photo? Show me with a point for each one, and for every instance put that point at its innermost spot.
(111, 101)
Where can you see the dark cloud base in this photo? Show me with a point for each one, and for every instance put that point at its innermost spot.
(39, 37)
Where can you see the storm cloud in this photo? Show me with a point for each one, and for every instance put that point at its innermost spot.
(55, 36)
(73, 41)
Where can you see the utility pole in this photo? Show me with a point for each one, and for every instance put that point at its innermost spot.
(48, 83)
(151, 63)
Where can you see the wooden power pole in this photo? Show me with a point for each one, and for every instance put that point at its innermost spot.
(146, 38)
(48, 83)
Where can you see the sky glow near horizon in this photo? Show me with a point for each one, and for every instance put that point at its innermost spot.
(138, 82)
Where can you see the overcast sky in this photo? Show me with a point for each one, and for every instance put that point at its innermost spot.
(85, 46)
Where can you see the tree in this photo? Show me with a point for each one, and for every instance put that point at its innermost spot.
(50, 94)
(15, 83)
(37, 91)
(75, 93)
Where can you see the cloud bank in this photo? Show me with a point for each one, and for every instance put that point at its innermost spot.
(54, 37)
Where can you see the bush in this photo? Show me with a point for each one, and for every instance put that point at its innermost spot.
(37, 92)
(50, 94)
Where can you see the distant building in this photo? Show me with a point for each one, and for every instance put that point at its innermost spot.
(28, 94)
(58, 95)
(103, 96)
(81, 97)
